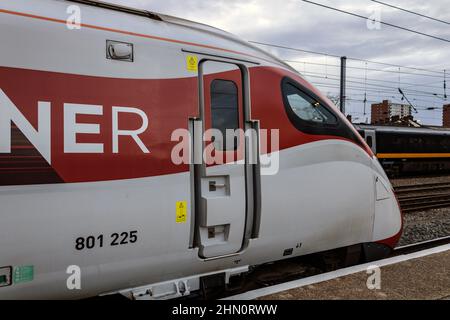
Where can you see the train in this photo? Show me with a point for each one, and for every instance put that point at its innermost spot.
(155, 157)
(409, 151)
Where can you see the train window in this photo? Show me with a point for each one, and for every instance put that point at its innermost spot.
(307, 108)
(309, 114)
(224, 110)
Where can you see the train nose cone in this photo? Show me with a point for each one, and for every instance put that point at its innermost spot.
(388, 222)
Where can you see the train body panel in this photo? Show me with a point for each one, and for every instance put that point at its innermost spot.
(88, 176)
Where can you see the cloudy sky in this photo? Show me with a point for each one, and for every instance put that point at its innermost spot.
(297, 24)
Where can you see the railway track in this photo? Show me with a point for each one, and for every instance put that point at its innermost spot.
(284, 271)
(423, 245)
(423, 187)
(419, 203)
(423, 197)
(269, 280)
(399, 255)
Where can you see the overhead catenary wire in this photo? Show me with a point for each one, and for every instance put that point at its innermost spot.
(365, 89)
(360, 113)
(336, 78)
(422, 108)
(369, 94)
(383, 92)
(375, 88)
(337, 56)
(373, 85)
(410, 11)
(445, 85)
(381, 22)
(404, 84)
(378, 93)
(406, 98)
(368, 69)
(425, 84)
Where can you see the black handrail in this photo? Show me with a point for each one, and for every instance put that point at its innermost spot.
(115, 7)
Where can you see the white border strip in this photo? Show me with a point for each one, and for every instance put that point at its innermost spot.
(254, 294)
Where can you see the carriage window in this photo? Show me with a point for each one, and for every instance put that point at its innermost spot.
(224, 110)
(307, 108)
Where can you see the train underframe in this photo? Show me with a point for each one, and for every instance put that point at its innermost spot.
(228, 282)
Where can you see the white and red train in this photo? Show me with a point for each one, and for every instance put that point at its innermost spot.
(94, 102)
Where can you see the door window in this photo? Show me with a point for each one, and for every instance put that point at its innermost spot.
(224, 111)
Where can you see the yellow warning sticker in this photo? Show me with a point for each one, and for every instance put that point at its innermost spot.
(181, 212)
(192, 63)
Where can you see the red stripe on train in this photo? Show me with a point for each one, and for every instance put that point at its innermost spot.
(168, 104)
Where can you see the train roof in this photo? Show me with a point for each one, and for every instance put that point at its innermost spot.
(213, 31)
(400, 129)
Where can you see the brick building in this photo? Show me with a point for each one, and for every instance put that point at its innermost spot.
(385, 111)
(446, 116)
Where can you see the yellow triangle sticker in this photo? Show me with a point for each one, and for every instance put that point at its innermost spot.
(192, 63)
(181, 212)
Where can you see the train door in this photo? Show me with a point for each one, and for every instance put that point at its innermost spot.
(223, 196)
(371, 139)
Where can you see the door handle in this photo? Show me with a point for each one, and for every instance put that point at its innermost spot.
(213, 186)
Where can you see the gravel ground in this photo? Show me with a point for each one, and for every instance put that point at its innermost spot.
(418, 180)
(425, 225)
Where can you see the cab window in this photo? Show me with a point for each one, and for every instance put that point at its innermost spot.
(307, 108)
(309, 114)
